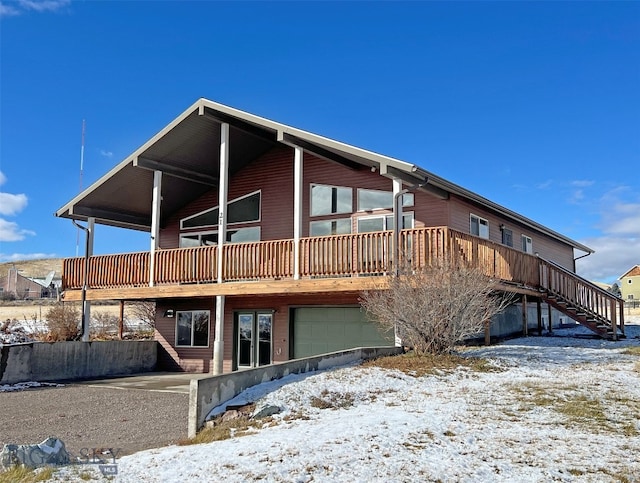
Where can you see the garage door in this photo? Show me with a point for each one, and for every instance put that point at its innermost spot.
(318, 330)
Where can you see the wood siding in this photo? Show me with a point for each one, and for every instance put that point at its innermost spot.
(547, 247)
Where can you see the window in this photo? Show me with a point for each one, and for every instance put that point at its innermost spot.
(478, 226)
(341, 226)
(245, 209)
(629, 281)
(369, 200)
(328, 200)
(630, 296)
(382, 223)
(239, 235)
(527, 244)
(507, 237)
(192, 328)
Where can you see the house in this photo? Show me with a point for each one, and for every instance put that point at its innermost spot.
(262, 237)
(16, 286)
(630, 284)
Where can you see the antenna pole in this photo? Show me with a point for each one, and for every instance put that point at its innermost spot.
(80, 187)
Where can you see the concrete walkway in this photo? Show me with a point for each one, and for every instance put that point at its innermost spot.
(177, 382)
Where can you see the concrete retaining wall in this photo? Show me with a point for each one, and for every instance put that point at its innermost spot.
(206, 394)
(57, 361)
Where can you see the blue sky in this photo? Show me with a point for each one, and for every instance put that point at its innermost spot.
(534, 105)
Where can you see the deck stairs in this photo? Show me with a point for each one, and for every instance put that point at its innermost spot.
(582, 301)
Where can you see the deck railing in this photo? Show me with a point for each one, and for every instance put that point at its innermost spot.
(361, 254)
(578, 292)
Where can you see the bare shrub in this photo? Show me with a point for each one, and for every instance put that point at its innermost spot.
(104, 325)
(434, 308)
(144, 310)
(63, 320)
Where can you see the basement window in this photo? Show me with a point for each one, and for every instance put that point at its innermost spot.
(192, 328)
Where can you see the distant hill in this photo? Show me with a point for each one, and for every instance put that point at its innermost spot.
(34, 268)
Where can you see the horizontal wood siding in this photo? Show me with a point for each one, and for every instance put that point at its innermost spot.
(546, 246)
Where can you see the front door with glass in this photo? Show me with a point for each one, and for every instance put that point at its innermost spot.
(253, 339)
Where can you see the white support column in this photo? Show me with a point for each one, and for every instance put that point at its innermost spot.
(397, 226)
(218, 344)
(86, 310)
(297, 209)
(155, 224)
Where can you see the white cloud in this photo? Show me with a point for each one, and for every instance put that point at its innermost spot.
(105, 153)
(19, 257)
(582, 183)
(545, 185)
(10, 231)
(12, 204)
(39, 6)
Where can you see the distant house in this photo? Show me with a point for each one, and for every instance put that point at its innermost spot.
(630, 284)
(14, 285)
(263, 236)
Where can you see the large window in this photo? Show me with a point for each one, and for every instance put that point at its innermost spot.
(245, 209)
(369, 200)
(341, 226)
(329, 200)
(239, 235)
(527, 244)
(382, 223)
(478, 226)
(192, 328)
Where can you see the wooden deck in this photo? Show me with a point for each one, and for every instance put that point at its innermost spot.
(339, 263)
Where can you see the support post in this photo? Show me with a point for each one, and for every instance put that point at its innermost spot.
(218, 344)
(121, 321)
(297, 209)
(550, 321)
(86, 305)
(487, 332)
(525, 320)
(614, 319)
(539, 313)
(155, 224)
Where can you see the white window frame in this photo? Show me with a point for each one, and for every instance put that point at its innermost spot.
(527, 244)
(311, 185)
(385, 218)
(481, 222)
(191, 346)
(408, 200)
(506, 230)
(182, 227)
(211, 232)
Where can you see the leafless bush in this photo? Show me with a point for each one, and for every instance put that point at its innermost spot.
(63, 321)
(144, 310)
(104, 325)
(435, 308)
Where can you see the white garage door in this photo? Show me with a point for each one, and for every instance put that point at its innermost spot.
(318, 330)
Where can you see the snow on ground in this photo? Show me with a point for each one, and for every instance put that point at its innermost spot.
(21, 386)
(467, 426)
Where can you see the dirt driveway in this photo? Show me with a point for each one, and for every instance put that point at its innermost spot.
(95, 415)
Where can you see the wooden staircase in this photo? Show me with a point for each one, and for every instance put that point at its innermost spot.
(586, 303)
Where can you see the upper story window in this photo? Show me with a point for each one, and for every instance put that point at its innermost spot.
(245, 209)
(239, 235)
(329, 200)
(382, 223)
(341, 226)
(369, 200)
(527, 244)
(507, 237)
(478, 226)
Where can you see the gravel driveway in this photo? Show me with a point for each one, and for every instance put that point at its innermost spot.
(82, 416)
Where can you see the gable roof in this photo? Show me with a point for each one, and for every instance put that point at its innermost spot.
(187, 150)
(632, 272)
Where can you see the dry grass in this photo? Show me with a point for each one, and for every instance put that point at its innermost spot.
(34, 268)
(224, 430)
(332, 400)
(423, 365)
(20, 474)
(633, 351)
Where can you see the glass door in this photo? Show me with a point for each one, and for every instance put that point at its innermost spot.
(254, 335)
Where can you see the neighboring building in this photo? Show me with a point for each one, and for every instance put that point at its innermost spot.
(307, 224)
(14, 285)
(630, 284)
